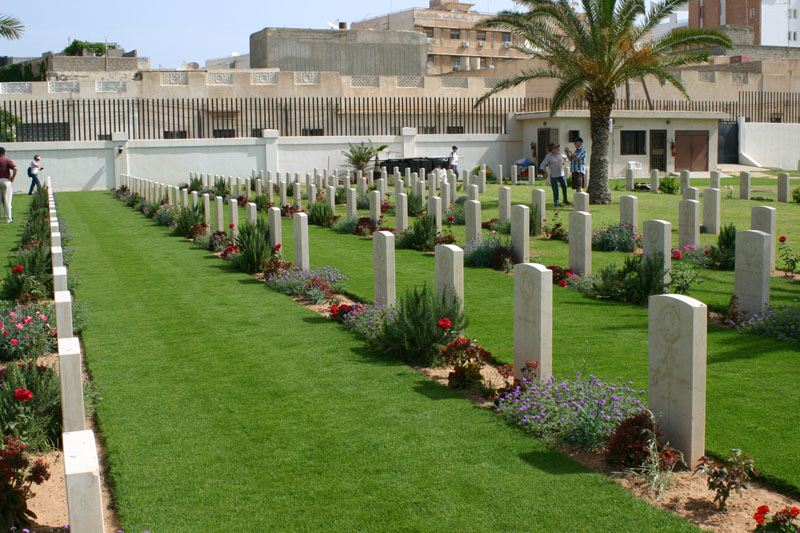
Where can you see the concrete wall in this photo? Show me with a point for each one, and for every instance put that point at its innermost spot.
(350, 52)
(79, 166)
(769, 145)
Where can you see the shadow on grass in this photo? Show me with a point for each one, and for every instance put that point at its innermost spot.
(747, 346)
(552, 462)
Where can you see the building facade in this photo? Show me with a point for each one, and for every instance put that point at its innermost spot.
(770, 22)
(453, 43)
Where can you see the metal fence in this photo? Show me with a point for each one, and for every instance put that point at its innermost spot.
(193, 118)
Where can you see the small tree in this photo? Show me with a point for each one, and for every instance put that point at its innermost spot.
(359, 155)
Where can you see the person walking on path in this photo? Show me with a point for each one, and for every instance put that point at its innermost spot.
(554, 162)
(33, 171)
(453, 160)
(577, 165)
(8, 172)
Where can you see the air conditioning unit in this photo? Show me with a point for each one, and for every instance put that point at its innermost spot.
(507, 44)
(481, 43)
(465, 44)
(430, 40)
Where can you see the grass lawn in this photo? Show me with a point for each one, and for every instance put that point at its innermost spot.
(10, 233)
(229, 407)
(751, 380)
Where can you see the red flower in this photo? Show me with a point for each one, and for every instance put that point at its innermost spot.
(451, 218)
(782, 238)
(23, 395)
(277, 247)
(14, 342)
(758, 517)
(763, 509)
(166, 198)
(794, 511)
(17, 269)
(677, 255)
(444, 324)
(231, 225)
(707, 252)
(562, 283)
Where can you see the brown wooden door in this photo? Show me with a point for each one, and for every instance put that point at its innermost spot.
(692, 150)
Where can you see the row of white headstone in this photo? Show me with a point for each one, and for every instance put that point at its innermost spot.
(81, 465)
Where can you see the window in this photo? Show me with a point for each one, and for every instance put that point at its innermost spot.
(312, 132)
(455, 129)
(175, 134)
(223, 133)
(455, 34)
(506, 37)
(43, 131)
(455, 63)
(103, 136)
(752, 12)
(573, 134)
(482, 36)
(428, 32)
(426, 130)
(632, 142)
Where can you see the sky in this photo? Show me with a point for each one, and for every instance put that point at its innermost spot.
(173, 33)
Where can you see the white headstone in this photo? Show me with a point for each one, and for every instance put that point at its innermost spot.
(251, 212)
(446, 200)
(686, 180)
(275, 237)
(580, 201)
(219, 215)
(533, 318)
(63, 301)
(69, 370)
(504, 203)
(362, 185)
(520, 234)
(450, 272)
(401, 212)
(751, 279)
(539, 199)
(301, 259)
(435, 209)
(744, 185)
(580, 242)
(654, 181)
(283, 197)
(298, 195)
(691, 193)
(629, 210)
(712, 200)
(688, 223)
(657, 238)
(194, 198)
(714, 180)
(206, 210)
(330, 197)
(233, 217)
(783, 187)
(352, 204)
(499, 174)
(764, 218)
(473, 192)
(383, 265)
(482, 181)
(630, 182)
(472, 215)
(375, 206)
(677, 371)
(514, 174)
(82, 474)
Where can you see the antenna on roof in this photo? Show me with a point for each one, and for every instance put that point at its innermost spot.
(333, 25)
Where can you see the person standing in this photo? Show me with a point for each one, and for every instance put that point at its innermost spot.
(554, 162)
(33, 171)
(453, 160)
(577, 165)
(8, 172)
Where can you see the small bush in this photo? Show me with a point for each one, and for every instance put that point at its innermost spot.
(187, 219)
(616, 238)
(555, 229)
(490, 252)
(253, 245)
(348, 225)
(727, 475)
(416, 335)
(456, 215)
(535, 224)
(634, 283)
(26, 332)
(133, 200)
(500, 226)
(262, 202)
(421, 236)
(30, 405)
(777, 322)
(165, 216)
(796, 194)
(362, 201)
(195, 184)
(627, 447)
(319, 213)
(19, 473)
(30, 275)
(415, 207)
(221, 188)
(669, 185)
(36, 228)
(294, 281)
(723, 255)
(467, 359)
(368, 320)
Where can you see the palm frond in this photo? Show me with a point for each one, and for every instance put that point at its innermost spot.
(11, 27)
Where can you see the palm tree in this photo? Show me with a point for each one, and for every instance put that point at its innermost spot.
(10, 27)
(593, 53)
(359, 155)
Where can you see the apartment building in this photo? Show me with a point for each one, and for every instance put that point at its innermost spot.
(772, 22)
(453, 42)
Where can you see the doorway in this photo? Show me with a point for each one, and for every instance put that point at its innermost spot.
(691, 150)
(658, 150)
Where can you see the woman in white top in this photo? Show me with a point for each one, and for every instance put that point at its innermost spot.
(555, 161)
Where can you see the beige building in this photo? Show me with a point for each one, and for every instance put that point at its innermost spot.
(453, 43)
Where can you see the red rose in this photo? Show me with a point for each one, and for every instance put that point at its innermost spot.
(763, 509)
(782, 238)
(451, 218)
(277, 247)
(444, 324)
(707, 252)
(231, 225)
(562, 283)
(794, 511)
(677, 255)
(23, 395)
(758, 517)
(17, 269)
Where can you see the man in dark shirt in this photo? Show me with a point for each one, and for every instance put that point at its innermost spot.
(8, 172)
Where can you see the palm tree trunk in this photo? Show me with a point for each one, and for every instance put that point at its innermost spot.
(599, 113)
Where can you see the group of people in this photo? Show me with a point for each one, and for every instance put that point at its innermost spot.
(8, 173)
(555, 161)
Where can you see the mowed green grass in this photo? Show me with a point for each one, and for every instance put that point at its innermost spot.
(229, 407)
(751, 383)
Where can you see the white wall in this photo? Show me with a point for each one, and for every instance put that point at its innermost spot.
(769, 145)
(73, 166)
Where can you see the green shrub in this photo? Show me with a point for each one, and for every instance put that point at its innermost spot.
(347, 225)
(165, 216)
(669, 185)
(535, 225)
(723, 255)
(616, 238)
(195, 184)
(221, 188)
(501, 226)
(37, 421)
(36, 228)
(456, 215)
(262, 202)
(187, 219)
(421, 236)
(415, 335)
(254, 247)
(26, 332)
(489, 252)
(133, 200)
(362, 201)
(415, 207)
(319, 213)
(30, 275)
(341, 195)
(796, 194)
(634, 283)
(40, 200)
